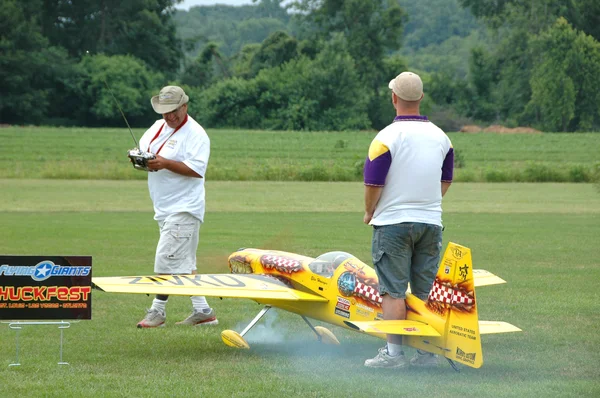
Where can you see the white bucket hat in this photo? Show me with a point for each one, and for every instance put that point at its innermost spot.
(169, 99)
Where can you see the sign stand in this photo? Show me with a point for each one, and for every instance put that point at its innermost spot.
(18, 325)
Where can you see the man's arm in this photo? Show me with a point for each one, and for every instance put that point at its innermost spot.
(172, 165)
(372, 195)
(445, 186)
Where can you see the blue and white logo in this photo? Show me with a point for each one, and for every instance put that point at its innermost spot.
(42, 271)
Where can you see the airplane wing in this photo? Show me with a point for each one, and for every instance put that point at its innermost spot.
(486, 278)
(493, 327)
(249, 286)
(404, 327)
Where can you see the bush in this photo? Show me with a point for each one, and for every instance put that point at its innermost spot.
(542, 173)
(359, 167)
(578, 174)
(314, 173)
(448, 119)
(459, 160)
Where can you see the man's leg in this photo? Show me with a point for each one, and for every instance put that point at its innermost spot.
(202, 314)
(175, 254)
(391, 252)
(393, 309)
(425, 265)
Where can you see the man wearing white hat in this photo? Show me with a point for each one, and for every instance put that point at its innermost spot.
(407, 171)
(176, 184)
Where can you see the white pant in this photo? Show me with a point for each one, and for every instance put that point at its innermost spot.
(176, 249)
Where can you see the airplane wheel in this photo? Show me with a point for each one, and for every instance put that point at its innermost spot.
(234, 339)
(326, 336)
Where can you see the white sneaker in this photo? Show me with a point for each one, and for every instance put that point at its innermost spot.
(154, 318)
(199, 318)
(385, 360)
(425, 359)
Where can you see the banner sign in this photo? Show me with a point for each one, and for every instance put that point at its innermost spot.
(45, 287)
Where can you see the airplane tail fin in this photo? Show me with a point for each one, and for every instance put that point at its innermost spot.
(452, 308)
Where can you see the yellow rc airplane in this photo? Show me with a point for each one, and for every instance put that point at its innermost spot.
(339, 289)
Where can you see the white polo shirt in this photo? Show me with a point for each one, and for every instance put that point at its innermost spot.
(407, 158)
(171, 192)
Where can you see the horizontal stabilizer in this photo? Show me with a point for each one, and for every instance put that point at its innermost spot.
(481, 278)
(493, 327)
(486, 278)
(404, 327)
(216, 285)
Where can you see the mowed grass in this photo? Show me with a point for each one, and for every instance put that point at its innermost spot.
(238, 155)
(541, 238)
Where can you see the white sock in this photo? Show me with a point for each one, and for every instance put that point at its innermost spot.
(394, 349)
(159, 305)
(199, 303)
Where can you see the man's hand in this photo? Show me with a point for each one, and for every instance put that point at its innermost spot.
(372, 195)
(158, 163)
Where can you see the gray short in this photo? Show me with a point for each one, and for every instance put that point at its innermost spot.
(176, 249)
(406, 252)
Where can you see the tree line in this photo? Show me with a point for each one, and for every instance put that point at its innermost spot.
(302, 65)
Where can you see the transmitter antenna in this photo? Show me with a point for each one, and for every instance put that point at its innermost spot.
(122, 114)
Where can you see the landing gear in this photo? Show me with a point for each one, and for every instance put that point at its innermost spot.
(236, 340)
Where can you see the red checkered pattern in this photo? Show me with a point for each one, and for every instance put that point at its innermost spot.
(448, 295)
(281, 264)
(368, 292)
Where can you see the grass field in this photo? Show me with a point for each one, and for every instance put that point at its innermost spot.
(541, 238)
(77, 153)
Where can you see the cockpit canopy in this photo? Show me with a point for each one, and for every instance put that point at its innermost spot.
(326, 264)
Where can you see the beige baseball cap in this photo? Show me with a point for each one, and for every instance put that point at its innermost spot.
(168, 99)
(407, 86)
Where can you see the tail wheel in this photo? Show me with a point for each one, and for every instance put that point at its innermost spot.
(326, 336)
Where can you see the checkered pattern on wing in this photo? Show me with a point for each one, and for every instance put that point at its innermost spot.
(281, 264)
(447, 295)
(367, 292)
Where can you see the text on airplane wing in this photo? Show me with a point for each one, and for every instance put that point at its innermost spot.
(213, 285)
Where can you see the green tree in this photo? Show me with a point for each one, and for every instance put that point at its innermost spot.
(483, 76)
(30, 68)
(564, 80)
(301, 94)
(585, 16)
(431, 22)
(241, 63)
(522, 69)
(275, 50)
(371, 29)
(142, 28)
(538, 15)
(209, 66)
(231, 28)
(129, 79)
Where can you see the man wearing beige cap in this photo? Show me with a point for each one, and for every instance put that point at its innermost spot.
(176, 184)
(408, 169)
